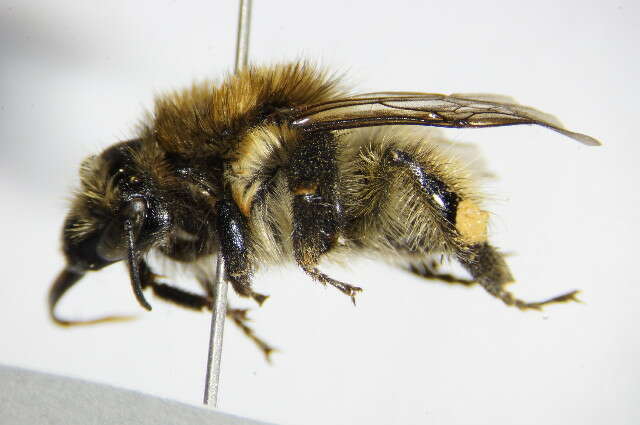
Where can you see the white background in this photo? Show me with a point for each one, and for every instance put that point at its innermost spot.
(77, 76)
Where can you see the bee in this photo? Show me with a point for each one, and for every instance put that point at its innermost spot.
(274, 165)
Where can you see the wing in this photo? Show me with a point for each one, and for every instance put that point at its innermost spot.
(411, 108)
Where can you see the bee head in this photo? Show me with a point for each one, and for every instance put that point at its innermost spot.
(119, 213)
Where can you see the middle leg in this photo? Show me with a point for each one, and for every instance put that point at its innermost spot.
(317, 214)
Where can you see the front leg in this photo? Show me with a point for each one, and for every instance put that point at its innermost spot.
(234, 248)
(198, 302)
(171, 293)
(317, 214)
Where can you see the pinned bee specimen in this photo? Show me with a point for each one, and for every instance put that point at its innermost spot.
(275, 165)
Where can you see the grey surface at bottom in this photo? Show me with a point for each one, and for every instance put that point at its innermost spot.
(28, 397)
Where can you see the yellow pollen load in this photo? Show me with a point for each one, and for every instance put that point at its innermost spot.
(471, 222)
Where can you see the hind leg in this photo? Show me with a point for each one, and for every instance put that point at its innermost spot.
(468, 224)
(489, 269)
(410, 198)
(429, 270)
(492, 273)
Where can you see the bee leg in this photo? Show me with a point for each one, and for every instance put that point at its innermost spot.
(486, 265)
(489, 269)
(232, 233)
(433, 189)
(317, 213)
(198, 302)
(240, 318)
(172, 294)
(345, 288)
(430, 271)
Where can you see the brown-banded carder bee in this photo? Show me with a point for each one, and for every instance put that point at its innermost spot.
(279, 164)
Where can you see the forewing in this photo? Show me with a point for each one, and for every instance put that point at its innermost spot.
(410, 108)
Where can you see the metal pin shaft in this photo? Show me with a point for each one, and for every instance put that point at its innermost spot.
(220, 286)
(218, 315)
(242, 40)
